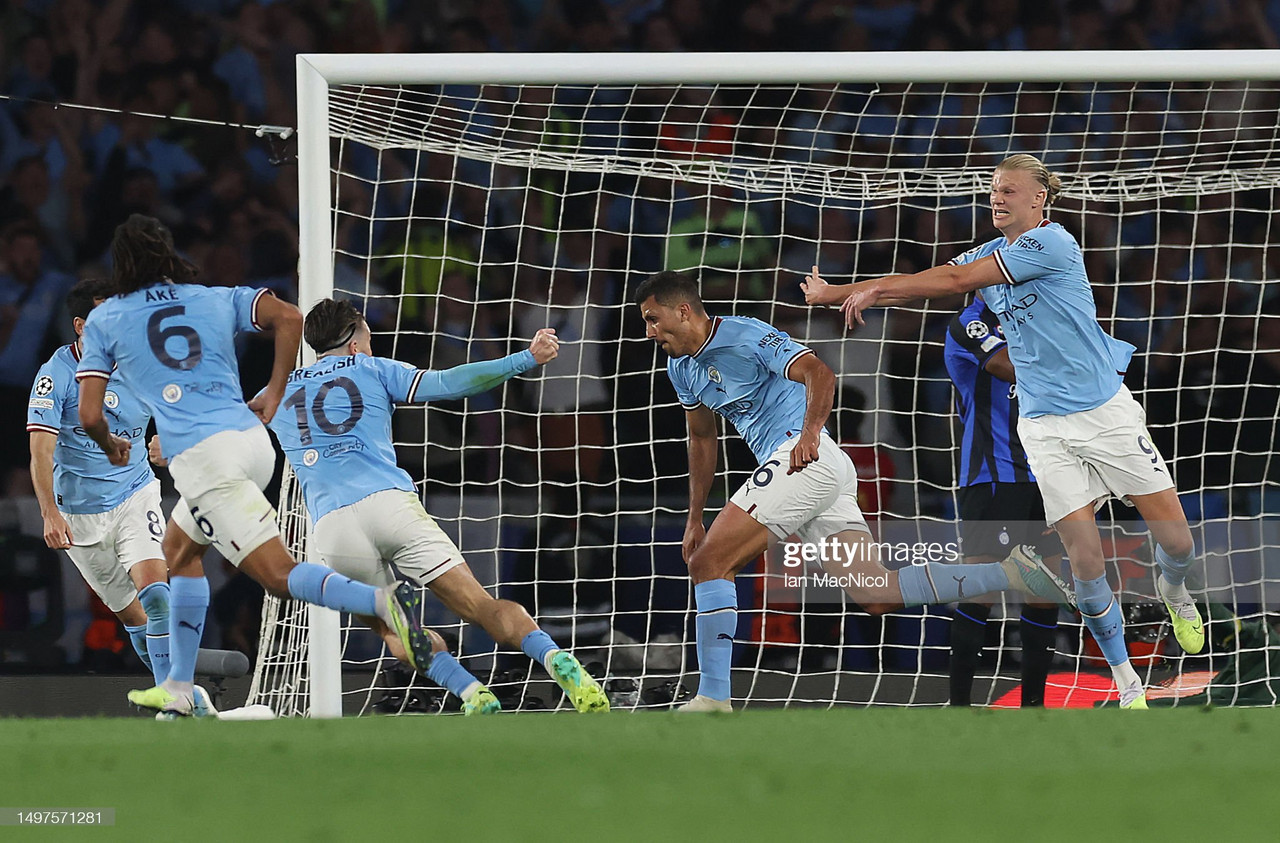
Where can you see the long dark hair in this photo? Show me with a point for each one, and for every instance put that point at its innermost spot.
(142, 254)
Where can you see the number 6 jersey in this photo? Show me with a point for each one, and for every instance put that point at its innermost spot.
(334, 423)
(174, 347)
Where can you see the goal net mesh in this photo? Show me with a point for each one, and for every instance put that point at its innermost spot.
(467, 217)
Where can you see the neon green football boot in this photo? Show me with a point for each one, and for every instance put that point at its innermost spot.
(583, 691)
(1188, 628)
(159, 699)
(481, 701)
(398, 608)
(1134, 698)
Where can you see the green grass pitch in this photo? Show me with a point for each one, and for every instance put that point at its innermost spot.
(848, 774)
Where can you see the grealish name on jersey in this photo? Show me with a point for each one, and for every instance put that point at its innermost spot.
(334, 423)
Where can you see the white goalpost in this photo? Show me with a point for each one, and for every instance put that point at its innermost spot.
(462, 201)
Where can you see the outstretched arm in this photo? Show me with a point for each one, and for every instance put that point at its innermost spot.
(937, 282)
(703, 450)
(473, 378)
(285, 321)
(817, 291)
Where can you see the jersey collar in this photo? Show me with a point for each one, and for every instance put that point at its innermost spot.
(715, 326)
(75, 351)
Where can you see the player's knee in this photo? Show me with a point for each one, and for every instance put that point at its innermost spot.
(155, 600)
(1179, 546)
(706, 565)
(274, 578)
(181, 554)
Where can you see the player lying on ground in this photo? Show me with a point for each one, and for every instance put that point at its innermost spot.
(778, 394)
(106, 517)
(172, 342)
(335, 428)
(999, 501)
(1085, 435)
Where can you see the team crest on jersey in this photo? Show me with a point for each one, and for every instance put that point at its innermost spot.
(310, 456)
(44, 385)
(714, 374)
(111, 400)
(977, 329)
(172, 394)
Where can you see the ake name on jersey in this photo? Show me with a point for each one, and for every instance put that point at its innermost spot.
(174, 345)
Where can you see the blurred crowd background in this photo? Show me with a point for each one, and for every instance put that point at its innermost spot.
(1209, 360)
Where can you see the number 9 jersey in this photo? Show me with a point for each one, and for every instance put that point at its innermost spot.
(174, 347)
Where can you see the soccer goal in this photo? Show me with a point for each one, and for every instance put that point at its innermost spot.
(463, 201)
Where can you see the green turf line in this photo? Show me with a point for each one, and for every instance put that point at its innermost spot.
(847, 774)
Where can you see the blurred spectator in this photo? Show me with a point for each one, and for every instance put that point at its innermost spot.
(726, 236)
(458, 255)
(31, 304)
(569, 393)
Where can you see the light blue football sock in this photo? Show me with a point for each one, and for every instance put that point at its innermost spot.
(937, 582)
(1101, 613)
(448, 673)
(537, 645)
(155, 600)
(1174, 570)
(138, 638)
(188, 602)
(716, 624)
(326, 587)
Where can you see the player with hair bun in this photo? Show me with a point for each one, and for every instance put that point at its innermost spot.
(1085, 435)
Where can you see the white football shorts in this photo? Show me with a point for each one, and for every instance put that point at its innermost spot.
(108, 544)
(1084, 458)
(359, 540)
(221, 481)
(813, 504)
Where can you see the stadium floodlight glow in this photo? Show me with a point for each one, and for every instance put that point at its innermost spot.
(518, 173)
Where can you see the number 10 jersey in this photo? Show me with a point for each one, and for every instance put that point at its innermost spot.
(174, 347)
(334, 425)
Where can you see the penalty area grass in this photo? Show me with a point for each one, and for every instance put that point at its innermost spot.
(869, 774)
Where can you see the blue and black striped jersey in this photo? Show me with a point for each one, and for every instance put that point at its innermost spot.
(988, 406)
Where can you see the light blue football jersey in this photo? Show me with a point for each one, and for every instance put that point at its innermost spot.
(1065, 362)
(174, 345)
(741, 373)
(334, 423)
(84, 480)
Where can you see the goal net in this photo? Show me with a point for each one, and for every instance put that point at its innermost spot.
(465, 201)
